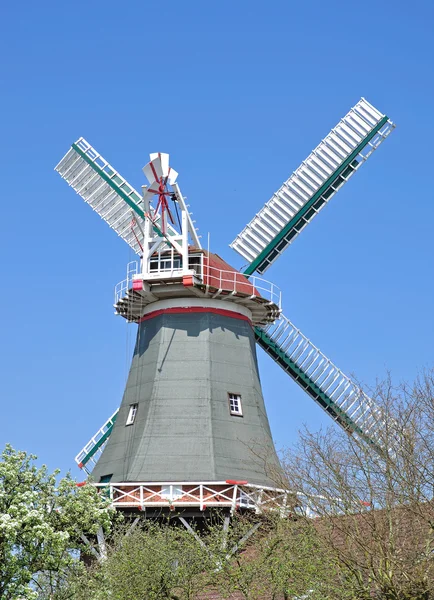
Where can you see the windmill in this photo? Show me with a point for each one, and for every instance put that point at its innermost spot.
(192, 431)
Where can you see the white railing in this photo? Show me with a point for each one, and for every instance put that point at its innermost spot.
(216, 282)
(123, 286)
(224, 494)
(237, 283)
(202, 495)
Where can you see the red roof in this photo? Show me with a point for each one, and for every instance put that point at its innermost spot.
(219, 275)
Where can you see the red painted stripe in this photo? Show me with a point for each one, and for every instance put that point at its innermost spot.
(194, 309)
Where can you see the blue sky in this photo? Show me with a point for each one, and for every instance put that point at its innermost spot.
(238, 93)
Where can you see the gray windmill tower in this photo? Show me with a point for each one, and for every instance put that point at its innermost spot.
(192, 431)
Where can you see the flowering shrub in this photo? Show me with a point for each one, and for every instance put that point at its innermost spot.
(42, 520)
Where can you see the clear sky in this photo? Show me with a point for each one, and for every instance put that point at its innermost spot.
(238, 92)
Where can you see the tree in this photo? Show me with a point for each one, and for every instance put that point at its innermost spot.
(42, 522)
(153, 562)
(375, 510)
(284, 560)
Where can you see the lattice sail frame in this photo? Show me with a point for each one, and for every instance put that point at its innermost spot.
(88, 456)
(339, 155)
(336, 393)
(107, 193)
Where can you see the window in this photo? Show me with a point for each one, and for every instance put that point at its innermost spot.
(235, 405)
(246, 501)
(105, 479)
(132, 414)
(164, 264)
(171, 492)
(195, 263)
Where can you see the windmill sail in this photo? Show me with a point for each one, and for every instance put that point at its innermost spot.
(336, 393)
(311, 186)
(106, 192)
(93, 449)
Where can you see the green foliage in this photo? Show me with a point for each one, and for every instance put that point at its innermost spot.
(41, 522)
(283, 559)
(376, 510)
(156, 562)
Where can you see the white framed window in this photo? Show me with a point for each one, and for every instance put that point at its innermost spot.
(195, 263)
(171, 492)
(131, 414)
(246, 501)
(235, 407)
(164, 264)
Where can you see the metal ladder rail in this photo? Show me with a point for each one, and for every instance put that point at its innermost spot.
(96, 443)
(324, 382)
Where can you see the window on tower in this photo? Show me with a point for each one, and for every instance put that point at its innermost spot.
(164, 263)
(105, 478)
(131, 414)
(195, 263)
(235, 404)
(171, 492)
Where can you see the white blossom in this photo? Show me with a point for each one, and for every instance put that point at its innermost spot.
(41, 522)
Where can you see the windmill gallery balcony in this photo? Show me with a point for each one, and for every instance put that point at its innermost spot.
(207, 276)
(232, 495)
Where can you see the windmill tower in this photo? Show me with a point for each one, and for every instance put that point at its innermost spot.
(192, 431)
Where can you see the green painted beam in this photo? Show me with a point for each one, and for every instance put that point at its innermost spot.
(261, 258)
(100, 442)
(308, 385)
(117, 189)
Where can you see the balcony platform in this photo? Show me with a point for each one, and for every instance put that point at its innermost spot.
(195, 496)
(209, 279)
